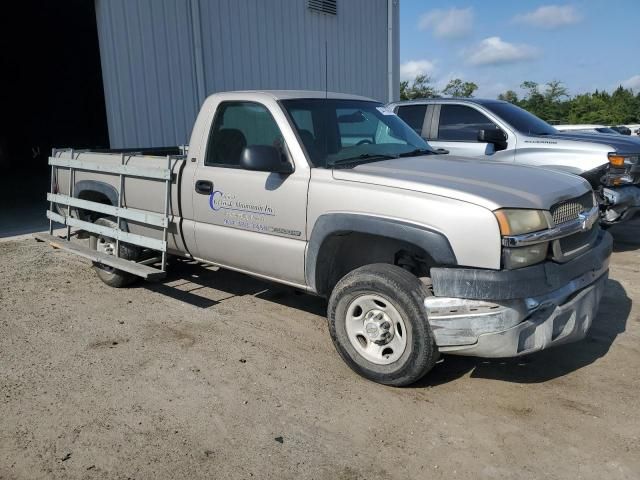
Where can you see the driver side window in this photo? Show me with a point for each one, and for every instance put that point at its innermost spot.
(238, 125)
(461, 123)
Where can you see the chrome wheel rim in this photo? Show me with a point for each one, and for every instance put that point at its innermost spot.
(107, 246)
(375, 329)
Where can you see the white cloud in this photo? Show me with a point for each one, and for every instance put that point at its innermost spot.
(632, 83)
(550, 17)
(494, 51)
(451, 23)
(411, 69)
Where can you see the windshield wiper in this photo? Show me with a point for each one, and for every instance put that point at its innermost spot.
(365, 157)
(416, 152)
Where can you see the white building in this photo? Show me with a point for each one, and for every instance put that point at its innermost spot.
(161, 58)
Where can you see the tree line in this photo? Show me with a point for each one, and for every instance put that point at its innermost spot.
(550, 101)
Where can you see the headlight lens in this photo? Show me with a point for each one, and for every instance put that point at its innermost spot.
(620, 171)
(524, 256)
(517, 222)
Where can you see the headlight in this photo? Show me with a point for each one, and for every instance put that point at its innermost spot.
(524, 256)
(517, 222)
(621, 169)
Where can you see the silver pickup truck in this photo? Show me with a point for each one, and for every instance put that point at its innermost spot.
(500, 131)
(417, 253)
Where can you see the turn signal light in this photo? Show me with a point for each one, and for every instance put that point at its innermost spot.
(616, 160)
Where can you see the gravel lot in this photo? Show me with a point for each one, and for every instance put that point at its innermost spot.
(212, 374)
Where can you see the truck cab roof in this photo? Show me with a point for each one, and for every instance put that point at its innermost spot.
(293, 94)
(420, 101)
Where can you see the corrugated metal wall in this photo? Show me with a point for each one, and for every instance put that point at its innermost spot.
(160, 58)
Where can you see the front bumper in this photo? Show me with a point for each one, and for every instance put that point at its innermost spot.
(621, 203)
(512, 313)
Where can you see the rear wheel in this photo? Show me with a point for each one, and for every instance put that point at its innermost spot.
(379, 326)
(104, 244)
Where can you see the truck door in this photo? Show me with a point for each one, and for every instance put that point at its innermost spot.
(248, 220)
(456, 130)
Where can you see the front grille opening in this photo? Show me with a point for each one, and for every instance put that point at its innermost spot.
(570, 247)
(568, 210)
(575, 241)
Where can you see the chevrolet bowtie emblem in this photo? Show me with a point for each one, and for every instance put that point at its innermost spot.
(586, 222)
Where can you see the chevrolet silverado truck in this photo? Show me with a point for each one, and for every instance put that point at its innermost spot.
(500, 131)
(417, 253)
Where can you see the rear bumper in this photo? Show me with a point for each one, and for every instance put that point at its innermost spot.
(519, 311)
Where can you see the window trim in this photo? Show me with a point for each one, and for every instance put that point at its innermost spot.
(217, 113)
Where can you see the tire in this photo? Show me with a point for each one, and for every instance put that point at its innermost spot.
(397, 354)
(109, 275)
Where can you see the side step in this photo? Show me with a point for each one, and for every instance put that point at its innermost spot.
(144, 271)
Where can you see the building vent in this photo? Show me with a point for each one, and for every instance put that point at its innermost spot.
(323, 6)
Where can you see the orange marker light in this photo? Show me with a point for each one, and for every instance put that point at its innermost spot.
(616, 160)
(503, 221)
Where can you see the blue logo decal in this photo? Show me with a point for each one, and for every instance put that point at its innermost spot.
(212, 197)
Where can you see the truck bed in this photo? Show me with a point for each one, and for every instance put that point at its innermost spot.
(141, 151)
(138, 193)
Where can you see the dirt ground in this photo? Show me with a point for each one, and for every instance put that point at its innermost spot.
(212, 374)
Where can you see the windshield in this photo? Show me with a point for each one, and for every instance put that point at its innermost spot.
(338, 132)
(520, 119)
(607, 130)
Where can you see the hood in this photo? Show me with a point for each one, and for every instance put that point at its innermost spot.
(489, 184)
(617, 143)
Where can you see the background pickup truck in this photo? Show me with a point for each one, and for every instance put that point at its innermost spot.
(418, 253)
(501, 131)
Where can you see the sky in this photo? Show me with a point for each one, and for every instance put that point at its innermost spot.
(588, 45)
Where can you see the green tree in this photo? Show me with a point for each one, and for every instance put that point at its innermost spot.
(509, 96)
(457, 88)
(420, 88)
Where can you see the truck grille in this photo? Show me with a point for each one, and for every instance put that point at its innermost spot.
(568, 210)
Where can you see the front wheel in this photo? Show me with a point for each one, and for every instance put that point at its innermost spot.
(378, 324)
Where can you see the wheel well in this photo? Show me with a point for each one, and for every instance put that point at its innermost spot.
(92, 196)
(341, 253)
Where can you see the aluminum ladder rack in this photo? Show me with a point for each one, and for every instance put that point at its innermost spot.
(66, 202)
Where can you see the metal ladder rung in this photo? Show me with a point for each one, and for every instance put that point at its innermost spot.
(141, 270)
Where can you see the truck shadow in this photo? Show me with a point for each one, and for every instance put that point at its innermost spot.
(205, 287)
(626, 236)
(548, 364)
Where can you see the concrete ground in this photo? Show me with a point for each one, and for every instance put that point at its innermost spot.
(24, 204)
(212, 374)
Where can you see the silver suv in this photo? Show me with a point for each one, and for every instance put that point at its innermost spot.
(500, 131)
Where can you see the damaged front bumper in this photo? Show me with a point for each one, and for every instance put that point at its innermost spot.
(621, 203)
(498, 314)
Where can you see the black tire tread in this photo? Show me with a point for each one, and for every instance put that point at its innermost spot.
(408, 293)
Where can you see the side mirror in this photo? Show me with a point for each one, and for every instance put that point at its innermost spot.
(495, 136)
(265, 158)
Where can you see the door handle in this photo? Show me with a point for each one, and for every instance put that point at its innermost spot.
(442, 151)
(205, 187)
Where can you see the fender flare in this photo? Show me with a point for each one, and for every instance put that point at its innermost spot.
(431, 241)
(104, 188)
